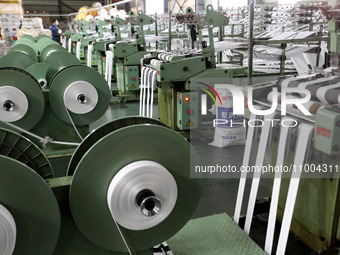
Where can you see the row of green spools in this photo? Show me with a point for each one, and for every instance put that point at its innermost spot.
(129, 185)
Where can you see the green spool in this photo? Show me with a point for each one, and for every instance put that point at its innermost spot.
(43, 43)
(102, 131)
(42, 36)
(16, 60)
(30, 44)
(25, 82)
(92, 177)
(20, 148)
(59, 60)
(69, 75)
(28, 38)
(22, 48)
(33, 206)
(39, 71)
(48, 49)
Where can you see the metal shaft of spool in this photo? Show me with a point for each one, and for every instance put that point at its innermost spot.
(149, 204)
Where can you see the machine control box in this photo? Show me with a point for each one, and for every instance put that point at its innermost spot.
(187, 110)
(131, 77)
(327, 130)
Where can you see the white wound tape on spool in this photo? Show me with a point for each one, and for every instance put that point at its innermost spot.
(312, 106)
(243, 177)
(8, 232)
(69, 45)
(74, 90)
(321, 92)
(270, 96)
(276, 185)
(78, 45)
(129, 182)
(304, 85)
(261, 151)
(89, 55)
(286, 82)
(304, 135)
(19, 100)
(154, 62)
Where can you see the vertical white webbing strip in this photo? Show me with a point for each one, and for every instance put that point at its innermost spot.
(304, 136)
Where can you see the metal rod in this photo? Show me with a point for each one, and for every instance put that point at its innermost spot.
(251, 38)
(169, 39)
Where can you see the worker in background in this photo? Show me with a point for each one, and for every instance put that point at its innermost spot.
(55, 31)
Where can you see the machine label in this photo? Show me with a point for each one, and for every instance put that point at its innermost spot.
(324, 132)
(189, 123)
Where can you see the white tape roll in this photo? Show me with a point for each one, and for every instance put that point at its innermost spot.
(321, 92)
(129, 182)
(304, 85)
(80, 97)
(8, 232)
(154, 62)
(13, 104)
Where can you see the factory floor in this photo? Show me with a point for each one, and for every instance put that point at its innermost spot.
(219, 195)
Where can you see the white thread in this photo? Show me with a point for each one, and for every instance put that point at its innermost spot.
(45, 140)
